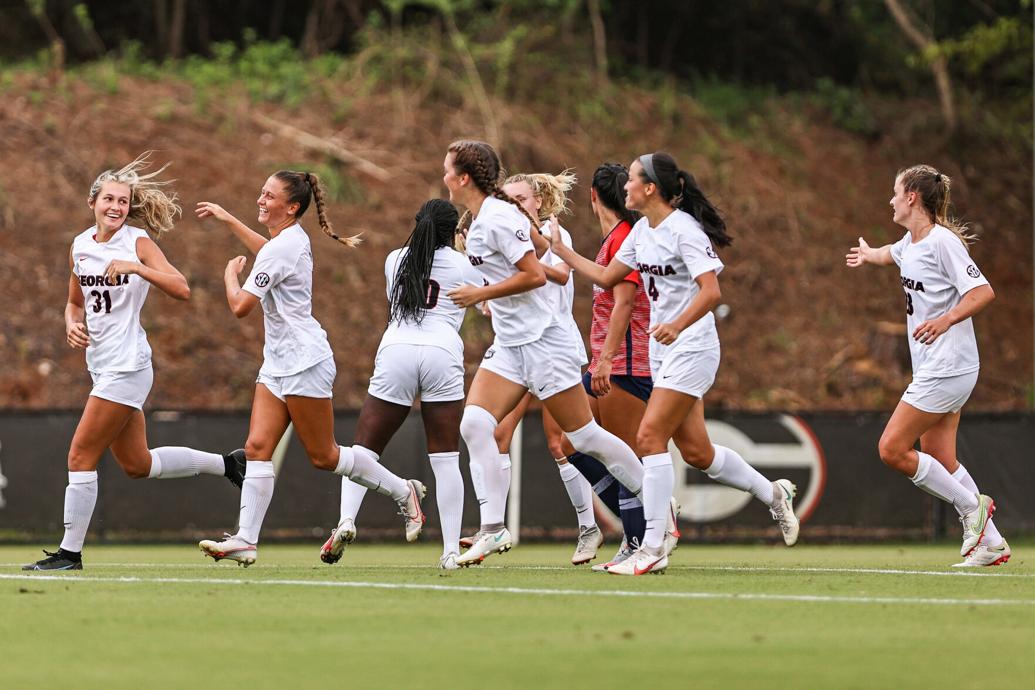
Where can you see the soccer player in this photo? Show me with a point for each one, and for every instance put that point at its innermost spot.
(672, 248)
(533, 349)
(944, 288)
(113, 264)
(421, 356)
(297, 375)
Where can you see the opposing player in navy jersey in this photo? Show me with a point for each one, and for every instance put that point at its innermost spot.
(533, 350)
(113, 264)
(944, 288)
(295, 381)
(421, 356)
(672, 248)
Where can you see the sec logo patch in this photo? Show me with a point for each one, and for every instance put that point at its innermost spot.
(521, 235)
(262, 279)
(973, 271)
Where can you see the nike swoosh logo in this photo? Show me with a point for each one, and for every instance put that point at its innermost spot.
(641, 571)
(497, 538)
(542, 387)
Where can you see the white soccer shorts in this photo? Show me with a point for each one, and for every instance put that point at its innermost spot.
(546, 367)
(404, 372)
(939, 395)
(315, 382)
(124, 387)
(691, 372)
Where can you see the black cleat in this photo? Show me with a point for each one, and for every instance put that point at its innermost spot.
(59, 560)
(235, 462)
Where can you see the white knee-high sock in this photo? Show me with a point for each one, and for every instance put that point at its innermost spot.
(256, 495)
(174, 462)
(351, 499)
(933, 478)
(618, 458)
(361, 466)
(729, 468)
(504, 487)
(658, 482)
(80, 499)
(449, 494)
(579, 491)
(477, 427)
(992, 536)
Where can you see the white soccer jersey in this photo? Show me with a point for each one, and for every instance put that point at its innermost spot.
(440, 326)
(117, 341)
(936, 272)
(498, 238)
(282, 279)
(562, 297)
(670, 257)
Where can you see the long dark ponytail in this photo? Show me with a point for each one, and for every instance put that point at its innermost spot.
(436, 223)
(680, 190)
(609, 182)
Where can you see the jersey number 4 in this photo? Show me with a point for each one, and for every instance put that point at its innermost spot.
(97, 297)
(652, 290)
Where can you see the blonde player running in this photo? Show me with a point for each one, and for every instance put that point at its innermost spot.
(533, 349)
(113, 264)
(944, 288)
(297, 375)
(420, 356)
(672, 247)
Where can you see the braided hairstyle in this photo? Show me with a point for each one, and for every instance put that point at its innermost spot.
(301, 187)
(933, 189)
(609, 182)
(412, 292)
(150, 205)
(680, 190)
(551, 190)
(480, 161)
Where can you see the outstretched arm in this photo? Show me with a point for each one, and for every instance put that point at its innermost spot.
(252, 240)
(865, 254)
(604, 276)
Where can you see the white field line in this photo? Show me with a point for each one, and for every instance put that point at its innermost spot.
(729, 596)
(573, 569)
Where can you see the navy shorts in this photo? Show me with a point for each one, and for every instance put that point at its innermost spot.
(640, 386)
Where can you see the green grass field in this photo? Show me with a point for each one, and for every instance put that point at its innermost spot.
(722, 616)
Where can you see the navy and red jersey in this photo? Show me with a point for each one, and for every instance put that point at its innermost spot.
(631, 358)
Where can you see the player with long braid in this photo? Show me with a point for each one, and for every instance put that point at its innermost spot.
(533, 349)
(421, 355)
(113, 265)
(297, 375)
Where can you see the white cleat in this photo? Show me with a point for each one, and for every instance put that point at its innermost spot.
(448, 561)
(974, 524)
(590, 540)
(782, 510)
(624, 552)
(231, 548)
(984, 555)
(641, 562)
(671, 539)
(488, 543)
(413, 516)
(341, 536)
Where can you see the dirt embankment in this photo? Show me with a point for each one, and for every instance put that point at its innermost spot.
(803, 330)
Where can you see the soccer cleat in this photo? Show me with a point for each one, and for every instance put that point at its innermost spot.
(341, 536)
(590, 540)
(984, 555)
(468, 542)
(782, 510)
(57, 560)
(413, 516)
(499, 541)
(975, 522)
(448, 561)
(235, 463)
(641, 562)
(231, 548)
(624, 551)
(671, 539)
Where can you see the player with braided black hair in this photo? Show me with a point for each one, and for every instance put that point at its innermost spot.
(533, 351)
(421, 356)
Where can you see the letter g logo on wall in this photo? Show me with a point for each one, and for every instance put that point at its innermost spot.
(262, 279)
(776, 446)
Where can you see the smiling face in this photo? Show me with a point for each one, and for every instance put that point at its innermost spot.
(455, 183)
(111, 206)
(637, 192)
(522, 193)
(274, 209)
